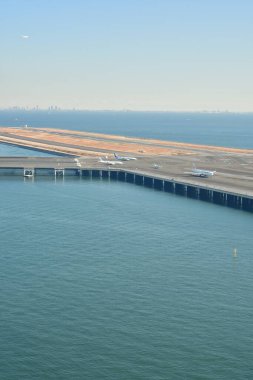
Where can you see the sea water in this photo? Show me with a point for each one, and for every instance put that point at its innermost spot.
(109, 280)
(221, 129)
(16, 151)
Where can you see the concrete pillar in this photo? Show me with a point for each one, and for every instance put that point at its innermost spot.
(59, 172)
(113, 174)
(72, 172)
(219, 198)
(247, 204)
(95, 173)
(148, 181)
(86, 173)
(28, 172)
(205, 195)
(192, 192)
(139, 179)
(158, 184)
(169, 186)
(105, 174)
(180, 189)
(130, 177)
(233, 201)
(122, 176)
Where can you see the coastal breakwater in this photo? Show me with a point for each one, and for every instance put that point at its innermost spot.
(173, 186)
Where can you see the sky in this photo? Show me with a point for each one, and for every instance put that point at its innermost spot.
(164, 55)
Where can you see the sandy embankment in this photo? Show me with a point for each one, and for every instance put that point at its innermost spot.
(90, 144)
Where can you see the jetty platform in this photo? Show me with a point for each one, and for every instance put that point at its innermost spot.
(162, 165)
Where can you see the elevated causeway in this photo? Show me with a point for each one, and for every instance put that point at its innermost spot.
(205, 189)
(162, 165)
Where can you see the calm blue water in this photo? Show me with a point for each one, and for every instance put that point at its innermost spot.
(113, 281)
(233, 130)
(11, 150)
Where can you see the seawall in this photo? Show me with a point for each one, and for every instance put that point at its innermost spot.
(203, 192)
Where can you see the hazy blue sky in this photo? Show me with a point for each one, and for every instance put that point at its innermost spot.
(127, 54)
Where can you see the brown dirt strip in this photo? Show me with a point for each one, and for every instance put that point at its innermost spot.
(49, 137)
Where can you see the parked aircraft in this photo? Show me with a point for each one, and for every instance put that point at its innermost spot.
(108, 162)
(201, 172)
(77, 162)
(122, 158)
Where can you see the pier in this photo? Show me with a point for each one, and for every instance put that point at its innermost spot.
(203, 193)
(60, 168)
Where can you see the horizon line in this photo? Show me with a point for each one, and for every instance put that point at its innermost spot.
(75, 109)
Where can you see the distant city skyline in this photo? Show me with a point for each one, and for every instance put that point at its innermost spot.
(139, 55)
(57, 108)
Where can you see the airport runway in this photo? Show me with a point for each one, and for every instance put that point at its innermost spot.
(156, 158)
(232, 174)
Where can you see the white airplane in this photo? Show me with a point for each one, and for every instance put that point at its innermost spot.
(201, 172)
(108, 162)
(122, 158)
(25, 37)
(77, 162)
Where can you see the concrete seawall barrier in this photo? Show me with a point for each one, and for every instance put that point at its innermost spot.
(203, 193)
(207, 194)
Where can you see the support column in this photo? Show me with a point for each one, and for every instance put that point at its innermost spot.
(169, 186)
(180, 189)
(158, 184)
(59, 173)
(28, 172)
(113, 174)
(130, 177)
(86, 173)
(192, 192)
(139, 179)
(219, 198)
(105, 174)
(95, 173)
(148, 182)
(122, 176)
(205, 195)
(247, 204)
